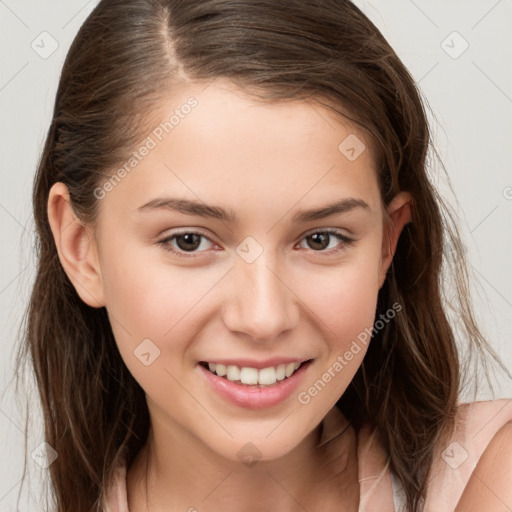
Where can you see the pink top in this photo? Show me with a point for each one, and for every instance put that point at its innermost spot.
(477, 422)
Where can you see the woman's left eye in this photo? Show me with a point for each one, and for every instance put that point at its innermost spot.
(190, 242)
(319, 239)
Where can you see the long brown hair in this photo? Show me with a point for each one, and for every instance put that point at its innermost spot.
(127, 56)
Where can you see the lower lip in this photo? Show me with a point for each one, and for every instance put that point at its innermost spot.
(255, 397)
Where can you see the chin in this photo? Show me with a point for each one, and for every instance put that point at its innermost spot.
(249, 449)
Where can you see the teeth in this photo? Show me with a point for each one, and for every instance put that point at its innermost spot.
(253, 376)
(233, 373)
(249, 376)
(290, 368)
(221, 370)
(266, 376)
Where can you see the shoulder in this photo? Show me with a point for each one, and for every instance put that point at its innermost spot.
(488, 488)
(481, 443)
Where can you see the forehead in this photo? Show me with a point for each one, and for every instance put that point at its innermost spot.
(224, 116)
(214, 144)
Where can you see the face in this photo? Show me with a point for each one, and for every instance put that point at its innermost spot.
(247, 278)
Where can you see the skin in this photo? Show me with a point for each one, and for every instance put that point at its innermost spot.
(265, 162)
(489, 489)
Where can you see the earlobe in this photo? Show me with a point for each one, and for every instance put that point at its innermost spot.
(400, 213)
(76, 247)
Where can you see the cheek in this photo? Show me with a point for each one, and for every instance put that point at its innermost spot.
(353, 304)
(345, 297)
(151, 311)
(344, 300)
(348, 314)
(149, 300)
(145, 295)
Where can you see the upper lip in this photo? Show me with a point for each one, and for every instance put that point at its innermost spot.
(259, 365)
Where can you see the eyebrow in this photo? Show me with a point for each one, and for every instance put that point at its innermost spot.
(190, 207)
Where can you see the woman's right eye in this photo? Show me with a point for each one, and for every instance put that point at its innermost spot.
(186, 242)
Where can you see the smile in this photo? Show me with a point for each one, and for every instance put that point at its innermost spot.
(254, 388)
(252, 376)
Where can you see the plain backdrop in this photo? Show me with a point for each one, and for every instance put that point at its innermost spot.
(459, 52)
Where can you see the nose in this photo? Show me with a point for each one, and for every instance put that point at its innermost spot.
(260, 304)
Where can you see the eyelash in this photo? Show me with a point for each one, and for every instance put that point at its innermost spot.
(345, 241)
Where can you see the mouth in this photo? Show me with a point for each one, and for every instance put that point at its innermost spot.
(254, 377)
(254, 388)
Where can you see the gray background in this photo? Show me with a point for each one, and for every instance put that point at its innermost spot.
(469, 91)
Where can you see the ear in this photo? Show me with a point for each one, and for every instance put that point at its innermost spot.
(399, 214)
(76, 247)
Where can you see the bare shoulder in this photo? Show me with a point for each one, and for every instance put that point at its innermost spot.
(473, 459)
(489, 487)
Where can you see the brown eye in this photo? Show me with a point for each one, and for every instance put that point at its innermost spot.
(184, 242)
(319, 241)
(188, 241)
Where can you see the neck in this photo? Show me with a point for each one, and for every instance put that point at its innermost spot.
(179, 473)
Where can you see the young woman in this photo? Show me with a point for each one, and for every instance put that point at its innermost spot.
(239, 301)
